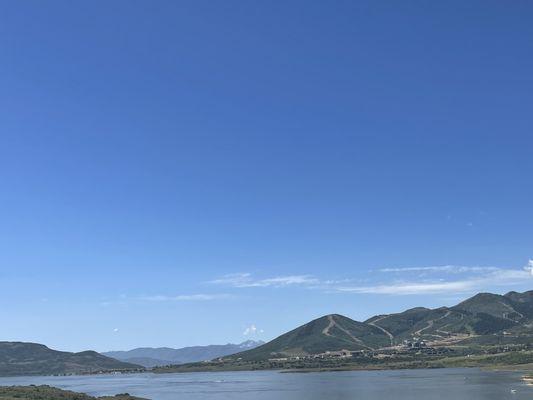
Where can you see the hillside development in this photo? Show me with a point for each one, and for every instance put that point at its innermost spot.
(485, 330)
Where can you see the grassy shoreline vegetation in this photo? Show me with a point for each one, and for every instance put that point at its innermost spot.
(45, 392)
(331, 367)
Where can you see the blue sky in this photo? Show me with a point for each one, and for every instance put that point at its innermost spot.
(185, 172)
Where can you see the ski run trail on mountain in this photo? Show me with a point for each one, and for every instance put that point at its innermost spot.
(333, 323)
(386, 332)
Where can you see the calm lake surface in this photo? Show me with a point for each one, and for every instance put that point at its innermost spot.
(450, 384)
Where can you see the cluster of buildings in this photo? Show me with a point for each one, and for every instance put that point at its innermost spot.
(414, 344)
(408, 346)
(325, 355)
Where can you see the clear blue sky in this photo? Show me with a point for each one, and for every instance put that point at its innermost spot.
(177, 173)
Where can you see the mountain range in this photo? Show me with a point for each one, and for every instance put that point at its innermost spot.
(497, 328)
(482, 319)
(151, 357)
(19, 358)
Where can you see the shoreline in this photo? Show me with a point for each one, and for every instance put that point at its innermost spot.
(501, 361)
(525, 368)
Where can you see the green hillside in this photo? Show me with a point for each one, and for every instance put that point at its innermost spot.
(491, 304)
(328, 333)
(19, 358)
(484, 318)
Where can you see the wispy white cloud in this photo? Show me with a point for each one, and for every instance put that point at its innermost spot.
(441, 268)
(404, 288)
(529, 267)
(495, 277)
(440, 279)
(252, 330)
(236, 280)
(186, 297)
(244, 280)
(288, 280)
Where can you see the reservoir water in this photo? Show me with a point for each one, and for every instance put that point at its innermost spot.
(452, 384)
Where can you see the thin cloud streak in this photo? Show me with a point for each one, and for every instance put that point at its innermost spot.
(477, 278)
(410, 288)
(245, 280)
(186, 297)
(499, 277)
(441, 268)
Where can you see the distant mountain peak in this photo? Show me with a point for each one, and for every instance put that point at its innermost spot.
(151, 357)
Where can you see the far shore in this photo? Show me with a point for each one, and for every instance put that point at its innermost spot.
(187, 368)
